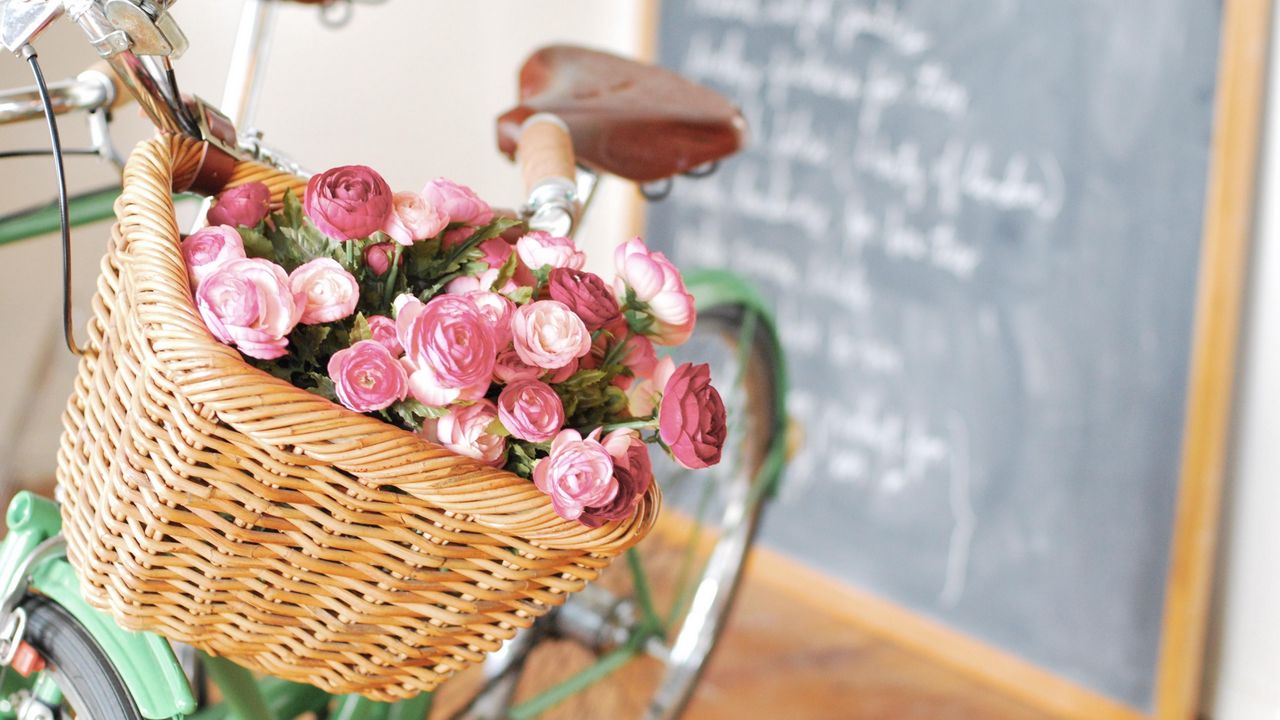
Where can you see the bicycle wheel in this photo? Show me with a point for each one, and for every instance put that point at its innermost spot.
(89, 683)
(684, 577)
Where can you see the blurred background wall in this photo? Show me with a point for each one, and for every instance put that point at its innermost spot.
(412, 89)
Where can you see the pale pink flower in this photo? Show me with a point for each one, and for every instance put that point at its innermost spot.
(465, 430)
(208, 248)
(498, 310)
(509, 368)
(644, 395)
(248, 303)
(539, 249)
(413, 218)
(448, 342)
(577, 474)
(657, 283)
(547, 334)
(330, 291)
(383, 330)
(366, 377)
(634, 473)
(531, 410)
(458, 202)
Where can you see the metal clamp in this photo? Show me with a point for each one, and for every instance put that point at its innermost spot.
(13, 619)
(552, 206)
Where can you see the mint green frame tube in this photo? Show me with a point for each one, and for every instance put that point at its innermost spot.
(82, 209)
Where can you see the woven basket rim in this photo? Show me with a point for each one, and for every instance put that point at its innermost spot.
(216, 379)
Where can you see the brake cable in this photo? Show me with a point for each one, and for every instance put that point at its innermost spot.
(68, 323)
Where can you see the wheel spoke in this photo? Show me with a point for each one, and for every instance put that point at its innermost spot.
(643, 595)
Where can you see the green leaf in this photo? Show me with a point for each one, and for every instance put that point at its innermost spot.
(508, 270)
(256, 244)
(497, 428)
(291, 211)
(521, 295)
(359, 330)
(410, 414)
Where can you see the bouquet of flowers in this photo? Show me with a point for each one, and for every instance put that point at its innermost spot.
(430, 312)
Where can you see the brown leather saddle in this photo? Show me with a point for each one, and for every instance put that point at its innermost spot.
(637, 121)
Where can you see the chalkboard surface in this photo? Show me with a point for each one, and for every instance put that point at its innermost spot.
(980, 223)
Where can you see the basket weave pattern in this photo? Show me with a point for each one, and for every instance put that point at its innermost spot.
(213, 504)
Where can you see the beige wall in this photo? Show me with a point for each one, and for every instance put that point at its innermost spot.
(410, 87)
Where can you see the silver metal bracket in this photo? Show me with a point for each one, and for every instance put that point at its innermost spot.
(150, 28)
(552, 206)
(22, 20)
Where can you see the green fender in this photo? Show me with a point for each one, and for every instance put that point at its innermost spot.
(145, 662)
(718, 288)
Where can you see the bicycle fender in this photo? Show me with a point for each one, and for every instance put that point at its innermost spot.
(713, 288)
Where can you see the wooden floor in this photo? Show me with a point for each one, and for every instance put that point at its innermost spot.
(779, 661)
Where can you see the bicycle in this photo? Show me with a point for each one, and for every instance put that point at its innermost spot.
(73, 658)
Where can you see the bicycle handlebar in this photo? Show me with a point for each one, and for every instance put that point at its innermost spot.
(545, 154)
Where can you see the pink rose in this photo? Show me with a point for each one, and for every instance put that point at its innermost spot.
(448, 342)
(383, 330)
(378, 258)
(248, 303)
(577, 474)
(208, 248)
(245, 205)
(509, 368)
(531, 410)
(458, 202)
(330, 291)
(644, 395)
(366, 377)
(691, 418)
(586, 294)
(539, 249)
(658, 284)
(464, 284)
(634, 473)
(639, 356)
(348, 203)
(498, 311)
(412, 218)
(547, 334)
(496, 252)
(465, 430)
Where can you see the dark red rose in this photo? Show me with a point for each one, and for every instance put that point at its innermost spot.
(586, 294)
(349, 202)
(634, 474)
(691, 418)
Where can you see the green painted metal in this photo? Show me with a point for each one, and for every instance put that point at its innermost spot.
(240, 692)
(355, 707)
(286, 700)
(717, 288)
(145, 662)
(417, 708)
(82, 209)
(46, 690)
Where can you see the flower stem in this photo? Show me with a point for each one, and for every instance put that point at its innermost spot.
(391, 275)
(639, 424)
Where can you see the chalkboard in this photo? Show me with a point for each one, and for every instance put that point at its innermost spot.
(980, 223)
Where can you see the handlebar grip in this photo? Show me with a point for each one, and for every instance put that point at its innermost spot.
(120, 94)
(545, 151)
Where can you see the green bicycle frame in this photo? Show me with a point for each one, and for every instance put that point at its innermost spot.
(82, 209)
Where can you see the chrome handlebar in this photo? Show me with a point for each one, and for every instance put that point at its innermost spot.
(90, 92)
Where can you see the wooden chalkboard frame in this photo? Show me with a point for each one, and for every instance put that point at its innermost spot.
(1228, 219)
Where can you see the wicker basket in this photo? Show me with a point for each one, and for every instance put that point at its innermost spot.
(213, 504)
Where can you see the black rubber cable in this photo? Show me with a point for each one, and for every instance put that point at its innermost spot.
(68, 324)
